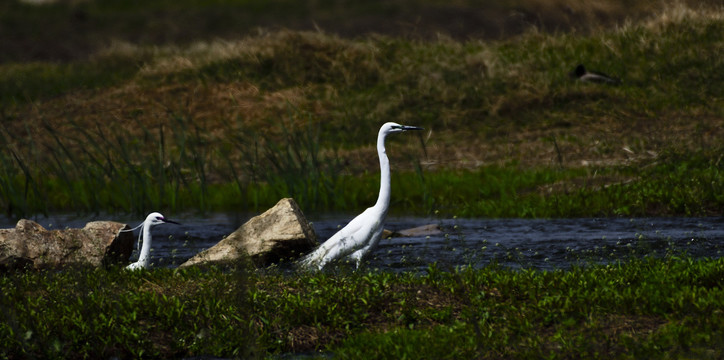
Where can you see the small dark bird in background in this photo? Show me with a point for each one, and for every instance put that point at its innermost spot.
(580, 73)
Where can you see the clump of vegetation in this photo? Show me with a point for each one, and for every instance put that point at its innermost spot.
(645, 307)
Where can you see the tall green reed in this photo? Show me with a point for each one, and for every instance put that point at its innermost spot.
(299, 168)
(173, 165)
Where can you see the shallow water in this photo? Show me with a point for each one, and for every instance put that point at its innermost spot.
(536, 243)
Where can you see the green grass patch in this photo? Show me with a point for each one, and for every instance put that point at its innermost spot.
(688, 184)
(237, 124)
(680, 184)
(666, 307)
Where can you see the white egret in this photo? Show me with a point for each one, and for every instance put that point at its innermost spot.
(362, 234)
(152, 219)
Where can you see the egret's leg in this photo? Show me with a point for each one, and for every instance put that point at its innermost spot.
(357, 257)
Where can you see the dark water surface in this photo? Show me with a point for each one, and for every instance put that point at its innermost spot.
(537, 243)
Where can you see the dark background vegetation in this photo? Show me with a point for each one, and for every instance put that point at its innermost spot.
(66, 30)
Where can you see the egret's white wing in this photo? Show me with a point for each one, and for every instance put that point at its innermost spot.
(347, 240)
(358, 255)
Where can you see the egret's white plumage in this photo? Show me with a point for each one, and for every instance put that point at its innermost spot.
(363, 233)
(152, 219)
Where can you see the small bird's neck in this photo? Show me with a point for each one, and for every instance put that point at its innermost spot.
(146, 247)
(383, 200)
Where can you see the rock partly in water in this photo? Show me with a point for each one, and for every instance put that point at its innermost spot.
(424, 230)
(30, 245)
(280, 233)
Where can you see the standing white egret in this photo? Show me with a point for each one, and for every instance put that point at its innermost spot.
(152, 219)
(364, 231)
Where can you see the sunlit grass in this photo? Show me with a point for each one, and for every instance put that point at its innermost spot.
(639, 307)
(115, 176)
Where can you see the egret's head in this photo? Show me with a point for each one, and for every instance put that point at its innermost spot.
(392, 127)
(157, 219)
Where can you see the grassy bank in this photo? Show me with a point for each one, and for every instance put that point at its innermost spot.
(236, 124)
(640, 308)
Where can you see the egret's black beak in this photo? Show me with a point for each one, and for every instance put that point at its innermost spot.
(170, 221)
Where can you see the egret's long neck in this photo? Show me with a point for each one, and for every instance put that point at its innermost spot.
(383, 201)
(146, 247)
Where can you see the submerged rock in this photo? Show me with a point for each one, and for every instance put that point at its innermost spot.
(31, 245)
(280, 233)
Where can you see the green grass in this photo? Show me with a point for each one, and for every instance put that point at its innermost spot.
(106, 313)
(666, 307)
(237, 124)
(681, 184)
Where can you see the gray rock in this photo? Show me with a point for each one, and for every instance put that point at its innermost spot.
(281, 232)
(32, 246)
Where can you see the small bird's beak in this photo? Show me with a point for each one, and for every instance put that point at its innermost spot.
(170, 221)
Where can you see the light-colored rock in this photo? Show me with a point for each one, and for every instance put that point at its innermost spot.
(31, 245)
(424, 230)
(281, 232)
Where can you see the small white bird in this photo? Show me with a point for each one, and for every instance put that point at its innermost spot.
(152, 219)
(362, 234)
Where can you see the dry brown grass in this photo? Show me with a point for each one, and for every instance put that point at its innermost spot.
(221, 108)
